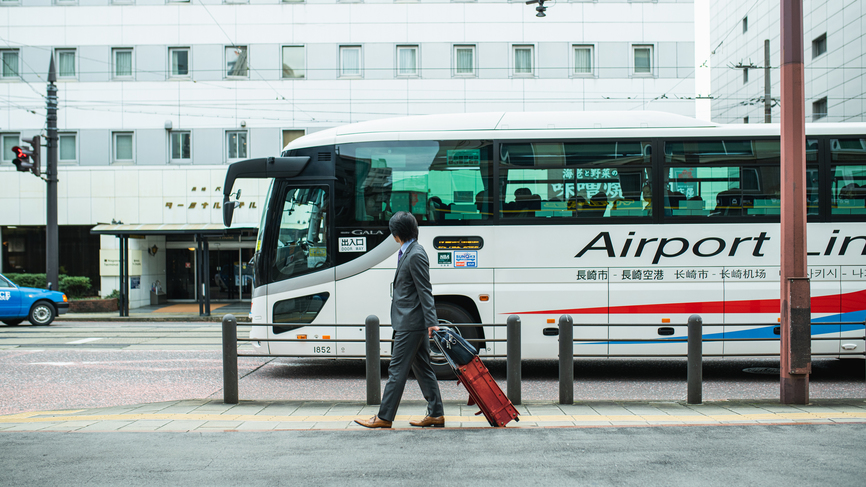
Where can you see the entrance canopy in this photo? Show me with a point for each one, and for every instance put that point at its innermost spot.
(162, 229)
(199, 231)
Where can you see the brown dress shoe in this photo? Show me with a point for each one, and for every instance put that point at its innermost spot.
(374, 422)
(430, 421)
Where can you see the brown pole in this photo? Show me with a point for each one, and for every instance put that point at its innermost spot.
(794, 292)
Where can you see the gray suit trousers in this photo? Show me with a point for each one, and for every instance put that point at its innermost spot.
(411, 352)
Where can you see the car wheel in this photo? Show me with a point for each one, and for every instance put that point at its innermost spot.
(12, 322)
(449, 314)
(41, 313)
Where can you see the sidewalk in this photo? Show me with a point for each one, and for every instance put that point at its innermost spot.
(168, 312)
(202, 415)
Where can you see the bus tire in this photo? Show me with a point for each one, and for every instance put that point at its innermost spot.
(449, 314)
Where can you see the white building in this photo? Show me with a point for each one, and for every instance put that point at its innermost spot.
(157, 96)
(835, 56)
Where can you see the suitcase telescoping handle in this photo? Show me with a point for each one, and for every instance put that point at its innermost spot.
(439, 346)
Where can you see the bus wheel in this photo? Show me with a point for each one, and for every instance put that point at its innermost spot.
(449, 314)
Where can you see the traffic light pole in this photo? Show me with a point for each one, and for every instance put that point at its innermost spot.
(52, 239)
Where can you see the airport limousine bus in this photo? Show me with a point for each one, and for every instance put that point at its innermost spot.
(628, 221)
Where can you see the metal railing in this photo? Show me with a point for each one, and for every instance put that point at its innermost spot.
(694, 345)
(372, 354)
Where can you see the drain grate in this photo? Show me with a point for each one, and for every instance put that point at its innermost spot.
(763, 370)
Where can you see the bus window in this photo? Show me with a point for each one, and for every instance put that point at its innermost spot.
(440, 182)
(729, 178)
(848, 186)
(564, 180)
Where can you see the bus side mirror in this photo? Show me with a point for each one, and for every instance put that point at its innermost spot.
(228, 210)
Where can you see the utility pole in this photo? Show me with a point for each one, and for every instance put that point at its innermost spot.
(768, 114)
(795, 295)
(52, 240)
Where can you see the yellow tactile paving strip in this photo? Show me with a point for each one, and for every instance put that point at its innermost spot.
(538, 420)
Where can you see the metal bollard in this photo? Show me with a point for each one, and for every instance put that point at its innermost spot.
(695, 366)
(230, 359)
(566, 360)
(374, 372)
(513, 360)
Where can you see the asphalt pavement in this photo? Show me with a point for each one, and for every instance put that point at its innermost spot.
(765, 455)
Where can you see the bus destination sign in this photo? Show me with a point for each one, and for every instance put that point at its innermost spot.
(458, 243)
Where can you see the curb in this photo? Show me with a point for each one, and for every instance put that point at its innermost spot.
(147, 318)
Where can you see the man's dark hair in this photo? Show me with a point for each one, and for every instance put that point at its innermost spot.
(404, 226)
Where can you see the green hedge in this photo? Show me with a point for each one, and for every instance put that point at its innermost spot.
(74, 286)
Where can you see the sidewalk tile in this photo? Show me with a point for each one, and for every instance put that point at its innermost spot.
(181, 425)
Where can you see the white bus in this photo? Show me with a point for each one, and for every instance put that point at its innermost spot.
(634, 219)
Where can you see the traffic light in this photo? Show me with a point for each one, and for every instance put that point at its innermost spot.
(27, 159)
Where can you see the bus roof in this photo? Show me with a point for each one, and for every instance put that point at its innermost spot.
(549, 125)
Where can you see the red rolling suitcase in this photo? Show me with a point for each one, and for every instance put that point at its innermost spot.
(485, 392)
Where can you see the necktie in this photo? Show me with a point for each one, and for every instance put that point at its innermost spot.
(399, 255)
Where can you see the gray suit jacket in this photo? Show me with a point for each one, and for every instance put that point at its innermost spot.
(412, 306)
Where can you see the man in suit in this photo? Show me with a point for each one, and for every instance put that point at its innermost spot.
(413, 318)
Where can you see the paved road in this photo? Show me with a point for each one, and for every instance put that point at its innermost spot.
(645, 457)
(73, 365)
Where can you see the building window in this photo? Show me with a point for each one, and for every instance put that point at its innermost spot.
(523, 60)
(237, 144)
(350, 61)
(122, 63)
(9, 141)
(237, 62)
(746, 119)
(643, 60)
(65, 63)
(745, 75)
(179, 57)
(180, 146)
(123, 147)
(464, 60)
(582, 60)
(290, 135)
(407, 60)
(745, 24)
(819, 46)
(819, 109)
(293, 62)
(67, 152)
(10, 63)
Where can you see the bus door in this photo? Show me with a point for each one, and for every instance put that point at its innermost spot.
(825, 286)
(541, 295)
(652, 305)
(853, 307)
(300, 269)
(751, 310)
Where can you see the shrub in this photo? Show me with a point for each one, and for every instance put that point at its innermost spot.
(115, 294)
(75, 286)
(28, 280)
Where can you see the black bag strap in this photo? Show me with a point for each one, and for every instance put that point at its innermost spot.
(442, 335)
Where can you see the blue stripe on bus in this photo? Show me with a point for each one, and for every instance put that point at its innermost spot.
(818, 329)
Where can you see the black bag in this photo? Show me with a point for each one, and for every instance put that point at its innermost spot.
(456, 349)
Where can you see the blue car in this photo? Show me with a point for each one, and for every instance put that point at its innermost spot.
(38, 306)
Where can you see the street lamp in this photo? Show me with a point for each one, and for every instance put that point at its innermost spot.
(540, 8)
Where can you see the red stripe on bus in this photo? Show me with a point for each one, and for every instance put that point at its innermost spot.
(834, 303)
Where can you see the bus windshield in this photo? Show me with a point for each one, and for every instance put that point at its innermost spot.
(301, 236)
